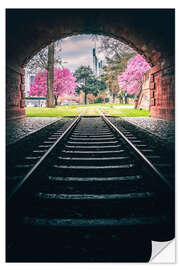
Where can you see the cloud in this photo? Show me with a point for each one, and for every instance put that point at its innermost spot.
(77, 50)
(75, 62)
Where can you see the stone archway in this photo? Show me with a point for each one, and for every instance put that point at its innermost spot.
(150, 32)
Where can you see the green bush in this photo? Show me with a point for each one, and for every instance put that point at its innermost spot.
(99, 100)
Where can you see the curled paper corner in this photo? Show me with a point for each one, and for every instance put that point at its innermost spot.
(163, 252)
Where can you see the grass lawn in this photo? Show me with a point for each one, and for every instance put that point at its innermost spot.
(116, 110)
(58, 111)
(89, 110)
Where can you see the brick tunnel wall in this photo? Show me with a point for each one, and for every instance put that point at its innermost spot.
(15, 95)
(144, 95)
(162, 91)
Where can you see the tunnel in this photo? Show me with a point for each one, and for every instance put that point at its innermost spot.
(150, 32)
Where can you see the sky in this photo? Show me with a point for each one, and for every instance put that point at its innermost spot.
(77, 50)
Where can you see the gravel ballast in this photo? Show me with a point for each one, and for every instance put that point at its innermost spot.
(161, 128)
(20, 128)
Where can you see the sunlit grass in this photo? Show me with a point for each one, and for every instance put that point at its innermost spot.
(124, 112)
(58, 111)
(89, 110)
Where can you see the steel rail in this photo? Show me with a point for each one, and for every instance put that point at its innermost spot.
(138, 152)
(25, 178)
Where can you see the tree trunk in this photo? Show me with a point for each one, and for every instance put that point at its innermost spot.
(126, 100)
(114, 95)
(121, 99)
(85, 97)
(50, 76)
(55, 100)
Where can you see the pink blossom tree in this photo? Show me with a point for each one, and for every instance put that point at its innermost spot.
(64, 83)
(130, 80)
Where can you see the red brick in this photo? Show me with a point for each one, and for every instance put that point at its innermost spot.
(22, 87)
(152, 85)
(155, 69)
(22, 80)
(22, 103)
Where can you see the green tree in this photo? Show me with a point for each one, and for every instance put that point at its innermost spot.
(115, 65)
(87, 82)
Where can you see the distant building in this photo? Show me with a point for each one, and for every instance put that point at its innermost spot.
(67, 100)
(29, 78)
(35, 101)
(32, 101)
(97, 65)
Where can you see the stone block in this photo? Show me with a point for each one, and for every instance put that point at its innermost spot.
(151, 93)
(22, 103)
(152, 102)
(22, 95)
(155, 69)
(152, 85)
(22, 80)
(22, 87)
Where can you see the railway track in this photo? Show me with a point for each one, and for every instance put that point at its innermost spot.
(91, 193)
(18, 154)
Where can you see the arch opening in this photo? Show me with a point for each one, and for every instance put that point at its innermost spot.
(30, 30)
(110, 35)
(106, 57)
